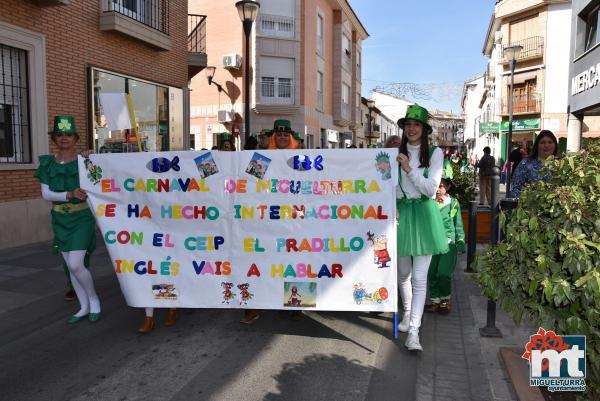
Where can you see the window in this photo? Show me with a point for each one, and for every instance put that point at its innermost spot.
(320, 34)
(592, 33)
(277, 90)
(346, 53)
(276, 25)
(284, 88)
(153, 13)
(268, 86)
(319, 91)
(345, 94)
(151, 105)
(15, 132)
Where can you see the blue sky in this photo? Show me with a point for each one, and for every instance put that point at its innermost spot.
(425, 42)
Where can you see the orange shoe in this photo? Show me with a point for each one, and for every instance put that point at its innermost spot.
(444, 307)
(171, 317)
(147, 325)
(432, 308)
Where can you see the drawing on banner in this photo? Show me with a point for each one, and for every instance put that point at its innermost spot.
(94, 173)
(383, 166)
(299, 295)
(162, 164)
(244, 293)
(361, 295)
(228, 295)
(206, 165)
(381, 254)
(258, 165)
(164, 291)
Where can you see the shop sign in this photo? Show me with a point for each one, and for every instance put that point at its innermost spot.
(522, 125)
(586, 80)
(489, 127)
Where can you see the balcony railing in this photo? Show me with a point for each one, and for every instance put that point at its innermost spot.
(152, 13)
(532, 47)
(276, 25)
(346, 110)
(196, 33)
(523, 105)
(277, 93)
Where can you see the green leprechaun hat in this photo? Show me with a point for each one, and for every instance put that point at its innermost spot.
(64, 125)
(282, 125)
(417, 113)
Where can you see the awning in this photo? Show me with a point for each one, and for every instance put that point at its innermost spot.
(524, 76)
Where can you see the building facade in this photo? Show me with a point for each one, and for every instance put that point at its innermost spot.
(470, 103)
(584, 73)
(542, 28)
(448, 129)
(305, 67)
(58, 57)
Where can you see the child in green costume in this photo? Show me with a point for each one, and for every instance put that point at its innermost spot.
(442, 266)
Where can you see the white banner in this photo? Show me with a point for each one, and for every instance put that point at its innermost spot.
(310, 229)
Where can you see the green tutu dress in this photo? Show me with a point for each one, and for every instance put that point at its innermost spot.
(73, 223)
(420, 227)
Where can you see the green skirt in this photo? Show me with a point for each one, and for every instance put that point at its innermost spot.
(420, 228)
(74, 231)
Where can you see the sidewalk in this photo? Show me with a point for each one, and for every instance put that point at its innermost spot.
(457, 364)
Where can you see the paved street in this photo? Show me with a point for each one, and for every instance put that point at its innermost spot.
(208, 355)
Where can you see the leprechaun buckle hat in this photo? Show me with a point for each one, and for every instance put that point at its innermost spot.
(282, 125)
(417, 113)
(64, 125)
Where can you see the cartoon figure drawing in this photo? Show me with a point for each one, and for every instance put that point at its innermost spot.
(164, 291)
(382, 164)
(295, 297)
(381, 254)
(360, 294)
(94, 172)
(227, 294)
(246, 295)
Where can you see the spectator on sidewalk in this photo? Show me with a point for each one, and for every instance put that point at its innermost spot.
(442, 266)
(73, 223)
(227, 145)
(528, 170)
(392, 142)
(420, 227)
(486, 170)
(251, 143)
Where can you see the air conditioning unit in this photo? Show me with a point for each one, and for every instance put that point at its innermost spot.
(232, 61)
(224, 116)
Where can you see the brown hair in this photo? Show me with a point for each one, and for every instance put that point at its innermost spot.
(423, 152)
(53, 136)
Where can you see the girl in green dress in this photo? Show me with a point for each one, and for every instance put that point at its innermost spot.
(73, 224)
(420, 227)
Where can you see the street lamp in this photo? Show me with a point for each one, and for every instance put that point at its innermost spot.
(511, 53)
(247, 9)
(371, 106)
(210, 73)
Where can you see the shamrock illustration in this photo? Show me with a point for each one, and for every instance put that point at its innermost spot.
(64, 125)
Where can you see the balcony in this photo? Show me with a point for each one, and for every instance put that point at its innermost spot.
(491, 70)
(276, 26)
(526, 104)
(346, 111)
(197, 59)
(51, 3)
(277, 93)
(373, 133)
(532, 48)
(347, 61)
(320, 101)
(147, 21)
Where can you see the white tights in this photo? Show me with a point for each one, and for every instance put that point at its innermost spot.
(412, 281)
(83, 283)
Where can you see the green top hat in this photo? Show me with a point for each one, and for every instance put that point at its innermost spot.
(64, 125)
(282, 125)
(417, 113)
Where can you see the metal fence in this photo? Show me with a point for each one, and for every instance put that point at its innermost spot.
(15, 131)
(273, 92)
(196, 33)
(532, 47)
(152, 13)
(276, 25)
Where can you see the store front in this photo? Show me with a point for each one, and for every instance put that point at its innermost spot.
(523, 133)
(158, 113)
(584, 85)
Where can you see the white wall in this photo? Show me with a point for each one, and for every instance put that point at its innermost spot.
(391, 106)
(278, 7)
(471, 109)
(558, 37)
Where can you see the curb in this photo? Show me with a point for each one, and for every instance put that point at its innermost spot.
(519, 375)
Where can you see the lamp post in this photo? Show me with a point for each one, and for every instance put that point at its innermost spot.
(247, 9)
(511, 53)
(371, 106)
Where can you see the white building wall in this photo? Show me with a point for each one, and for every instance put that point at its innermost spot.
(471, 109)
(558, 36)
(394, 108)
